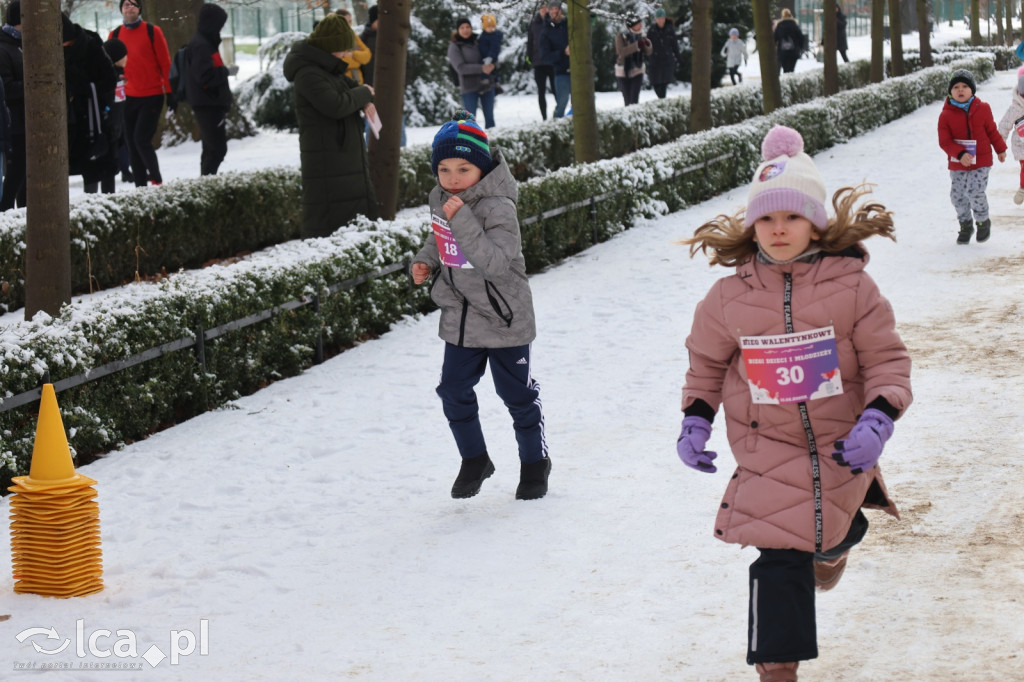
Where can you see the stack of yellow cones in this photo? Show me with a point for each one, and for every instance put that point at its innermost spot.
(55, 520)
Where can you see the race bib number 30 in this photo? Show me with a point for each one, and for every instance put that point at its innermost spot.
(792, 368)
(447, 248)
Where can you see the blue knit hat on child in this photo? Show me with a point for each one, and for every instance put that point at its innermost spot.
(462, 138)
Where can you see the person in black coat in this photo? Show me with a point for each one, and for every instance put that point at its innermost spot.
(790, 41)
(661, 65)
(89, 83)
(841, 43)
(554, 47)
(543, 73)
(12, 73)
(207, 89)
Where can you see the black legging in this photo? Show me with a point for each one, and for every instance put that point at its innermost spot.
(544, 75)
(214, 135)
(141, 115)
(14, 175)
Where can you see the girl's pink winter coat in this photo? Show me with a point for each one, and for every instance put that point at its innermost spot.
(769, 501)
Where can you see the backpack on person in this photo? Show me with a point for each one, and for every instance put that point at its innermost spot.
(178, 75)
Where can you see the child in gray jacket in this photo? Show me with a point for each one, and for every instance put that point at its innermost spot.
(474, 261)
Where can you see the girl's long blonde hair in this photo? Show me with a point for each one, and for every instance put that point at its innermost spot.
(730, 242)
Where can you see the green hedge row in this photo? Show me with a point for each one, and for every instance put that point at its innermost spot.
(119, 324)
(117, 237)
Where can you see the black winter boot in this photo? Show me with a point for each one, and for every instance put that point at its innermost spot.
(474, 471)
(984, 230)
(966, 230)
(533, 479)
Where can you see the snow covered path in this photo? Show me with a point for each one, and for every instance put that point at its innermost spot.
(310, 524)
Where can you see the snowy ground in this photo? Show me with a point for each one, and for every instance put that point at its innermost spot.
(310, 524)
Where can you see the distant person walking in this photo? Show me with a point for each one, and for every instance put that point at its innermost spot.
(735, 53)
(336, 183)
(661, 71)
(464, 56)
(543, 73)
(369, 38)
(841, 43)
(631, 46)
(555, 51)
(207, 88)
(12, 74)
(790, 42)
(147, 83)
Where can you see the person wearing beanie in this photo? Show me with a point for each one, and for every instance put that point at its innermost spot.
(735, 53)
(554, 49)
(631, 46)
(467, 62)
(118, 55)
(90, 83)
(147, 89)
(665, 53)
(474, 263)
(330, 106)
(489, 43)
(967, 135)
(799, 349)
(369, 38)
(1012, 124)
(12, 74)
(543, 73)
(359, 55)
(207, 87)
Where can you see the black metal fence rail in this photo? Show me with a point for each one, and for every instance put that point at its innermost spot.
(201, 336)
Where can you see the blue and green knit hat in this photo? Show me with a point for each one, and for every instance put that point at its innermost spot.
(461, 138)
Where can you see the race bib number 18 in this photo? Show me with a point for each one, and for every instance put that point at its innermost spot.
(792, 368)
(447, 248)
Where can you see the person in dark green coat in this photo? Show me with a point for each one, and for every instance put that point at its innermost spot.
(335, 170)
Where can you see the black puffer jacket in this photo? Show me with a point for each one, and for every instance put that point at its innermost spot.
(206, 83)
(661, 65)
(335, 171)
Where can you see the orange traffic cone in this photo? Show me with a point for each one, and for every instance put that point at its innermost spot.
(55, 520)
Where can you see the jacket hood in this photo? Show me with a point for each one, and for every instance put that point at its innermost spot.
(211, 20)
(497, 182)
(303, 55)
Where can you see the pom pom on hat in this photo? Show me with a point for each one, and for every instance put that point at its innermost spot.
(788, 180)
(462, 138)
(332, 34)
(488, 21)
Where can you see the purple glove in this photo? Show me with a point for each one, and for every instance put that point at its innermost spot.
(690, 446)
(862, 448)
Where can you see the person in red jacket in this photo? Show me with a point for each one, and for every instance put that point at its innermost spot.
(967, 134)
(147, 82)
(800, 350)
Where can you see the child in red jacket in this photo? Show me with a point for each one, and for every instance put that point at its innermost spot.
(967, 133)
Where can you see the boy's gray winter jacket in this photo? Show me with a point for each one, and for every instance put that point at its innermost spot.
(490, 304)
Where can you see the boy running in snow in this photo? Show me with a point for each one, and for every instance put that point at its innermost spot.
(474, 261)
(967, 133)
(1012, 124)
(735, 53)
(800, 350)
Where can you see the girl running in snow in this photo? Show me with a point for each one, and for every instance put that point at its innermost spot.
(800, 349)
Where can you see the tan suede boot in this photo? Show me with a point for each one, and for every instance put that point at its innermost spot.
(777, 672)
(828, 573)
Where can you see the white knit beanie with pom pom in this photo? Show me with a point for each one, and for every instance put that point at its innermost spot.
(788, 180)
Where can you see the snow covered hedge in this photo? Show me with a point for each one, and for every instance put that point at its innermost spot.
(128, 405)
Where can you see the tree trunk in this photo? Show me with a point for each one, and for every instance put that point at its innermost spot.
(877, 41)
(700, 78)
(896, 38)
(586, 147)
(1000, 38)
(975, 22)
(924, 33)
(1008, 8)
(47, 231)
(393, 30)
(830, 46)
(771, 91)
